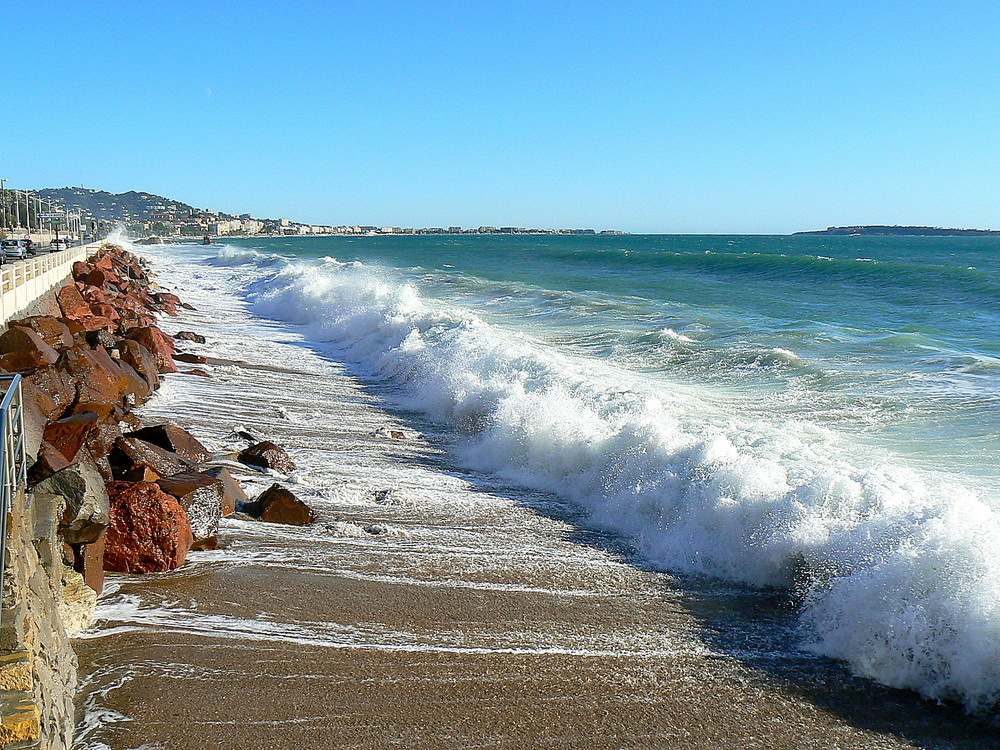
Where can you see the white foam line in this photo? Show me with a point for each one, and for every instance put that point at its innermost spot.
(692, 650)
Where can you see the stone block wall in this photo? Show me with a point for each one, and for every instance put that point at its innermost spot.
(37, 663)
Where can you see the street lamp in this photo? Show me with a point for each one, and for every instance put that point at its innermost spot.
(3, 202)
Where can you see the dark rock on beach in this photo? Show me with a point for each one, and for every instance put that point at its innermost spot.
(279, 505)
(267, 455)
(190, 336)
(130, 452)
(191, 359)
(173, 438)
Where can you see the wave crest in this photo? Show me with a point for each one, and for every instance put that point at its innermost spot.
(897, 568)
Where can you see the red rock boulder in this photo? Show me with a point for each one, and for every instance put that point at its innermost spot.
(96, 370)
(160, 345)
(48, 462)
(141, 360)
(80, 270)
(28, 342)
(55, 333)
(149, 531)
(68, 435)
(56, 384)
(72, 303)
(96, 323)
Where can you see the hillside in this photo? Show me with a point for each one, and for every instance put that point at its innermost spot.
(890, 231)
(130, 207)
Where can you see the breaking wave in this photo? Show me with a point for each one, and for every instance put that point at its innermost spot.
(897, 568)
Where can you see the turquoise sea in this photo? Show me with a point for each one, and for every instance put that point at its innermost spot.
(815, 414)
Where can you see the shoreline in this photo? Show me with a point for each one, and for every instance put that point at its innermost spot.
(471, 620)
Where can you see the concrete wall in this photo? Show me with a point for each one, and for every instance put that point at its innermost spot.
(24, 281)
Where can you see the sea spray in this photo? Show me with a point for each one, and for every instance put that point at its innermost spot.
(896, 566)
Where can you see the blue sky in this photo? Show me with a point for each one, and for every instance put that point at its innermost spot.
(643, 116)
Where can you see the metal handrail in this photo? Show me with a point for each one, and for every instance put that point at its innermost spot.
(13, 463)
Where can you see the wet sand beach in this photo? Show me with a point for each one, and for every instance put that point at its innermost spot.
(429, 608)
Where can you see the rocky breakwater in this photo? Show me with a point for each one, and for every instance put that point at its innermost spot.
(105, 492)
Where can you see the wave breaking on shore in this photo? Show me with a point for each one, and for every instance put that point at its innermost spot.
(895, 567)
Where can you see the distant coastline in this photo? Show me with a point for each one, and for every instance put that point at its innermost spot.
(893, 231)
(149, 215)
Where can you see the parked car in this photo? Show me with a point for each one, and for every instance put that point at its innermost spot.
(16, 249)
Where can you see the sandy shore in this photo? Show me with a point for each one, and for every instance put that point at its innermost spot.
(470, 616)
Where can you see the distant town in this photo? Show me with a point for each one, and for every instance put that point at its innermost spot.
(145, 215)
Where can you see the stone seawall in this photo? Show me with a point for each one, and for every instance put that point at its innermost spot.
(104, 491)
(78, 389)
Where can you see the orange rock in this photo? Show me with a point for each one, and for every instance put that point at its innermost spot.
(96, 380)
(18, 339)
(54, 383)
(94, 295)
(68, 435)
(149, 530)
(49, 461)
(55, 333)
(159, 344)
(96, 322)
(24, 361)
(72, 303)
(141, 360)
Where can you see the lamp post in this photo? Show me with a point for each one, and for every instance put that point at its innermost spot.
(27, 212)
(3, 202)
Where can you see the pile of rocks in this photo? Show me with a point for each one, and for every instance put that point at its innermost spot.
(134, 498)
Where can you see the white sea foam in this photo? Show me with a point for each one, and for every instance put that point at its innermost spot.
(671, 335)
(897, 568)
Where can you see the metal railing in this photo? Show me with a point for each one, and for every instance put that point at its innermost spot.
(13, 463)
